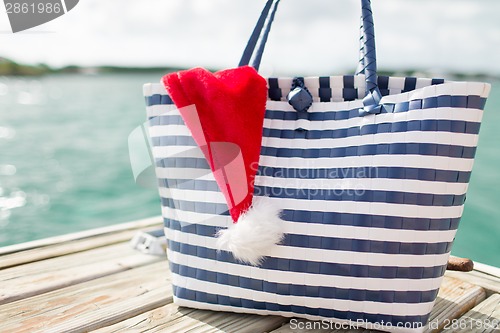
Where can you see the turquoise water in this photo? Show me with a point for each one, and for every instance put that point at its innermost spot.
(64, 161)
(70, 154)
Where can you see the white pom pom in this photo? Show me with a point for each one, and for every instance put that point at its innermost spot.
(254, 234)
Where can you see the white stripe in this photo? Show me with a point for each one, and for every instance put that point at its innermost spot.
(364, 233)
(185, 173)
(471, 115)
(377, 184)
(162, 110)
(193, 195)
(312, 302)
(404, 161)
(177, 151)
(156, 88)
(449, 138)
(169, 130)
(370, 208)
(308, 279)
(329, 256)
(226, 308)
(444, 138)
(188, 217)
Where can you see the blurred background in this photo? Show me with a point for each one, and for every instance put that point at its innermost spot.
(71, 92)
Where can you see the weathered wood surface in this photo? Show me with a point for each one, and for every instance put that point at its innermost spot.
(91, 304)
(455, 298)
(484, 318)
(489, 282)
(171, 318)
(94, 282)
(58, 240)
(15, 256)
(73, 269)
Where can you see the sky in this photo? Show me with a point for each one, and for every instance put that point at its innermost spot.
(309, 37)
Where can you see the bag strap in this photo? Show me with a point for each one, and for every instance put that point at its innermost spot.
(257, 31)
(367, 64)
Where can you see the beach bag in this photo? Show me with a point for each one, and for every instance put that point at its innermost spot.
(370, 173)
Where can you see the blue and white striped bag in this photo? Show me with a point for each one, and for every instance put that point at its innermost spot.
(372, 188)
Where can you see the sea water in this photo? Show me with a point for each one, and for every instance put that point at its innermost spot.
(64, 163)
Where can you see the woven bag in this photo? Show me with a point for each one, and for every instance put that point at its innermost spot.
(372, 180)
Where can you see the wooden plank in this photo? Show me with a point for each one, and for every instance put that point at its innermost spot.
(171, 318)
(67, 261)
(57, 250)
(490, 283)
(307, 326)
(90, 305)
(485, 318)
(455, 298)
(487, 269)
(140, 224)
(70, 270)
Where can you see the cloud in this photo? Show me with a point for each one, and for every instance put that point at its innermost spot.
(316, 36)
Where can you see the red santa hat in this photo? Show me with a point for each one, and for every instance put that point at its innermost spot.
(226, 123)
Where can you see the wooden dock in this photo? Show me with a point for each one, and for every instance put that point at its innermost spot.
(93, 281)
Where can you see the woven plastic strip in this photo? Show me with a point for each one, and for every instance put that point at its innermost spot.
(252, 42)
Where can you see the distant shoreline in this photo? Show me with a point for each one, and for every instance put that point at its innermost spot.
(11, 68)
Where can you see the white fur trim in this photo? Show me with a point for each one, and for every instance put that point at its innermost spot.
(254, 234)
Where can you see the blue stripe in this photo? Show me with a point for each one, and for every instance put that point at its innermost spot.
(449, 176)
(340, 194)
(190, 184)
(182, 162)
(426, 125)
(471, 102)
(348, 81)
(433, 125)
(453, 126)
(158, 99)
(382, 296)
(274, 91)
(426, 149)
(312, 267)
(365, 220)
(325, 194)
(324, 91)
(329, 243)
(211, 185)
(368, 172)
(166, 119)
(410, 84)
(203, 297)
(196, 206)
(174, 140)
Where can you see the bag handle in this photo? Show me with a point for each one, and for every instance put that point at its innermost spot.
(367, 64)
